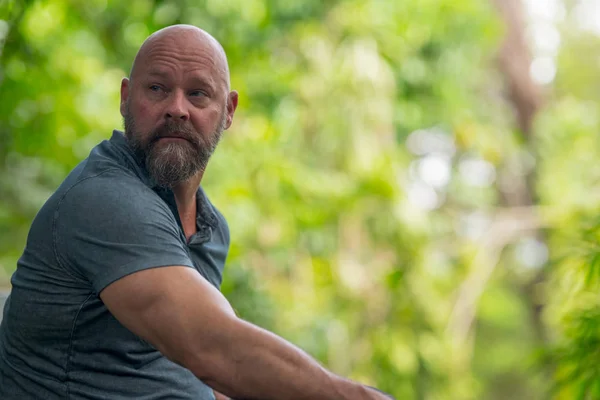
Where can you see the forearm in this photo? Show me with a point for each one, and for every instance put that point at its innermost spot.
(247, 362)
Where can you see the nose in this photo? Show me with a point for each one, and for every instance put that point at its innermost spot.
(177, 106)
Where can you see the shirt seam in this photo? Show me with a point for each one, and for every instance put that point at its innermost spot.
(70, 351)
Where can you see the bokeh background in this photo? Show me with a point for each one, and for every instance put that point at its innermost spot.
(411, 185)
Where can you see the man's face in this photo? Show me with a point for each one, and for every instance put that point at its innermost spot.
(175, 109)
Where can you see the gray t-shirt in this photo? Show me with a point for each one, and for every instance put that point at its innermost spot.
(107, 220)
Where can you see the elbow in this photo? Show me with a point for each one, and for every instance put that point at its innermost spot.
(203, 363)
(210, 355)
(203, 367)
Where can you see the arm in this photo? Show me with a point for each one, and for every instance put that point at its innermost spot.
(192, 324)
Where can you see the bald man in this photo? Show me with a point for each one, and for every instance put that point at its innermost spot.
(116, 295)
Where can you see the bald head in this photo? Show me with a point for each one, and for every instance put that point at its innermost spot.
(177, 102)
(189, 39)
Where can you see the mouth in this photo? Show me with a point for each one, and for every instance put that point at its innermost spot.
(171, 139)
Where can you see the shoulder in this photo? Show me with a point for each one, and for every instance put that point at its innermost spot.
(111, 194)
(111, 224)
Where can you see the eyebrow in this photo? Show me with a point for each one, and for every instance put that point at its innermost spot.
(202, 81)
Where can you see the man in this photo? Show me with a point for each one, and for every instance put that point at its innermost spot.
(116, 294)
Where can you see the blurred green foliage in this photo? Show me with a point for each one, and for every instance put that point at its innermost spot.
(362, 179)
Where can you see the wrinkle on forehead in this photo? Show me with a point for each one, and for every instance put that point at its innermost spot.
(192, 44)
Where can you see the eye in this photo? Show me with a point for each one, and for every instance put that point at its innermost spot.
(198, 93)
(154, 88)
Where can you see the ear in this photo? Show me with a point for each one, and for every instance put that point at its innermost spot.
(232, 103)
(124, 95)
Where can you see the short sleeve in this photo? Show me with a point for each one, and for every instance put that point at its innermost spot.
(112, 225)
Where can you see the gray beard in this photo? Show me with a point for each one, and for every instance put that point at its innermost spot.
(171, 163)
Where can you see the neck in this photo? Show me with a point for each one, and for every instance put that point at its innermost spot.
(185, 197)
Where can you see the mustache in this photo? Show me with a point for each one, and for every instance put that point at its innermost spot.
(176, 130)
